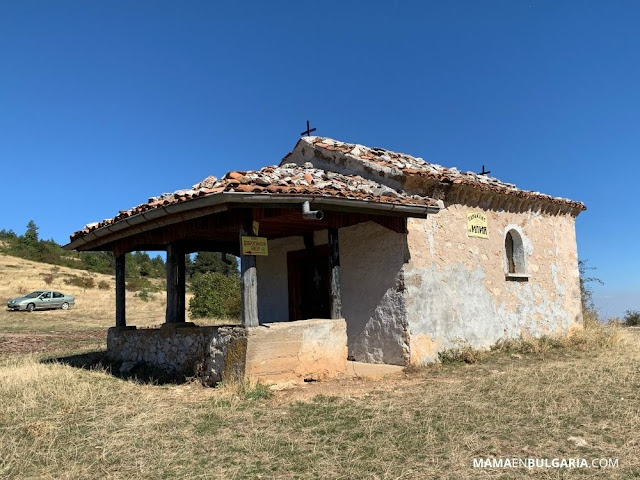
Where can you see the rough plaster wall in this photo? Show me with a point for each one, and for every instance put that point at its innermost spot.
(273, 289)
(373, 303)
(456, 288)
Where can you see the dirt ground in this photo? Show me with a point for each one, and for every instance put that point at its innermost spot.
(357, 384)
(35, 342)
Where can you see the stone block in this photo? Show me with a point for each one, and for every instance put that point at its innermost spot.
(294, 351)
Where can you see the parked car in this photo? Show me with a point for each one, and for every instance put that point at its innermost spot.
(42, 300)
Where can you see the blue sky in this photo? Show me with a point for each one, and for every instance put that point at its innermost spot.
(103, 104)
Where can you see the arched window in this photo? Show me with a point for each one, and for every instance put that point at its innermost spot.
(516, 264)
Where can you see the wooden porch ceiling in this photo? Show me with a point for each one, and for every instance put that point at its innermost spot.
(220, 231)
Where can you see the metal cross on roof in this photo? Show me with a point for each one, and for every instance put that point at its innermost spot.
(483, 172)
(308, 131)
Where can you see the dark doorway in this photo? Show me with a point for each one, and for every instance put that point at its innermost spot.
(308, 283)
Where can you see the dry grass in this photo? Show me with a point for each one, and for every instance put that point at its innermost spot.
(63, 423)
(95, 307)
(58, 422)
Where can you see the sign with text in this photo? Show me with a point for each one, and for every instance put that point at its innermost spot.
(255, 246)
(477, 225)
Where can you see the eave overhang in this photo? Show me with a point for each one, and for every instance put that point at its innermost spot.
(100, 238)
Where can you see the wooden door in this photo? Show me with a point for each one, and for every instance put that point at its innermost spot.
(308, 284)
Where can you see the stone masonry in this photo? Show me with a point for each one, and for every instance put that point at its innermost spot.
(310, 349)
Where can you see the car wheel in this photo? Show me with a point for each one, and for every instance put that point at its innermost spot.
(65, 306)
(31, 307)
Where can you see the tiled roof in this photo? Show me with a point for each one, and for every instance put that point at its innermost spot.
(402, 167)
(289, 179)
(391, 178)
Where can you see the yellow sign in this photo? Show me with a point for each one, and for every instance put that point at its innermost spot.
(255, 246)
(477, 225)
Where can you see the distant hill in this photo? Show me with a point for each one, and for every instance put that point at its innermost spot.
(30, 247)
(94, 294)
(144, 274)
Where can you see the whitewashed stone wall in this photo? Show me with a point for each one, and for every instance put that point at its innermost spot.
(457, 291)
(373, 302)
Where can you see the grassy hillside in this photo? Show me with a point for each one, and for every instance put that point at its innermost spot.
(30, 247)
(95, 307)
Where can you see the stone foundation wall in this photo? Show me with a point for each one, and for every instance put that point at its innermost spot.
(181, 350)
(269, 353)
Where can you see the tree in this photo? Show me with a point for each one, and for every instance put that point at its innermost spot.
(145, 267)
(188, 265)
(632, 318)
(214, 262)
(100, 262)
(215, 295)
(31, 235)
(140, 264)
(8, 234)
(159, 268)
(586, 292)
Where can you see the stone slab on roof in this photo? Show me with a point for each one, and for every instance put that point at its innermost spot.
(288, 179)
(400, 170)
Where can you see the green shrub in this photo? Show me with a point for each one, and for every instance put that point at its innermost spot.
(463, 353)
(143, 295)
(137, 284)
(82, 282)
(215, 295)
(529, 344)
(632, 318)
(257, 392)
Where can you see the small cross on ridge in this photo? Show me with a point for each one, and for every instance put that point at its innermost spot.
(483, 172)
(308, 131)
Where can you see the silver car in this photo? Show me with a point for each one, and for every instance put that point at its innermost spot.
(42, 300)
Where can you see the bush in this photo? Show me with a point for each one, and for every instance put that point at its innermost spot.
(48, 278)
(257, 392)
(595, 335)
(103, 285)
(463, 353)
(632, 318)
(529, 344)
(82, 282)
(137, 284)
(143, 295)
(215, 295)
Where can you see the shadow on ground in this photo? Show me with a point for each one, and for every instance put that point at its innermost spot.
(138, 372)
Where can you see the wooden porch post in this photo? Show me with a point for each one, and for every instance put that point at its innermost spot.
(175, 284)
(249, 281)
(335, 295)
(121, 320)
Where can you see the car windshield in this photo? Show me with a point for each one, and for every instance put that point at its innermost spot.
(33, 294)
